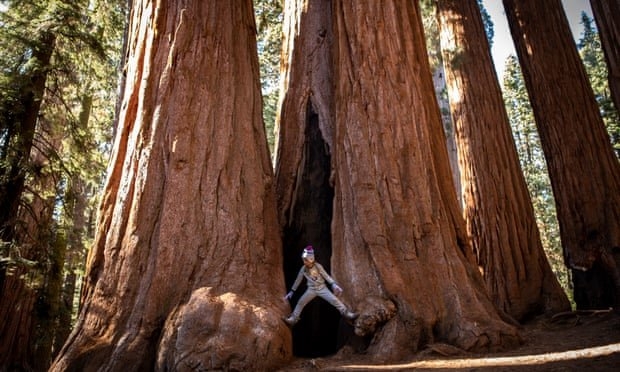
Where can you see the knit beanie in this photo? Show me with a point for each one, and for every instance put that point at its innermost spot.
(308, 252)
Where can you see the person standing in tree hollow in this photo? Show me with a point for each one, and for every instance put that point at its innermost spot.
(316, 276)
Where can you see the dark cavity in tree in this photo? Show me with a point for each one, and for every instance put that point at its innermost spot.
(319, 329)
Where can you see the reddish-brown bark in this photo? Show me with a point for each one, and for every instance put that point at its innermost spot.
(497, 206)
(185, 272)
(584, 172)
(399, 245)
(303, 160)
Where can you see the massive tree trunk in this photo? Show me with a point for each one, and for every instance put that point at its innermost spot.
(398, 248)
(303, 160)
(606, 15)
(186, 269)
(497, 206)
(584, 172)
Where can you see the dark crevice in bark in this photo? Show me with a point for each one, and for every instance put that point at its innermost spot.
(317, 332)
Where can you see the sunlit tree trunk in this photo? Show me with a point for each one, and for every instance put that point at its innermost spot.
(584, 172)
(497, 206)
(439, 81)
(606, 16)
(398, 248)
(185, 272)
(303, 160)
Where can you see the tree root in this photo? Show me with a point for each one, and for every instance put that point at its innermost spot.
(577, 317)
(374, 312)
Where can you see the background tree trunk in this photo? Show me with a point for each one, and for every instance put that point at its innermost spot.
(606, 16)
(186, 269)
(29, 308)
(75, 205)
(21, 120)
(303, 161)
(498, 210)
(400, 254)
(584, 172)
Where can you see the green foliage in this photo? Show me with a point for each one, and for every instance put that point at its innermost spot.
(593, 58)
(268, 14)
(428, 8)
(489, 29)
(75, 120)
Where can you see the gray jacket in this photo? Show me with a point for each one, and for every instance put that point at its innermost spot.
(316, 276)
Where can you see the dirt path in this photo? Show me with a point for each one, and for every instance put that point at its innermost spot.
(586, 341)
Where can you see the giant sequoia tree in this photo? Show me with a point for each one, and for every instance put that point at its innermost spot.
(397, 242)
(497, 206)
(584, 172)
(185, 272)
(363, 173)
(303, 159)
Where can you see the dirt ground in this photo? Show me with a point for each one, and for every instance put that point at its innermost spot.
(578, 341)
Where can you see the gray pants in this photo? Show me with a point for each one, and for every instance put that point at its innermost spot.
(325, 294)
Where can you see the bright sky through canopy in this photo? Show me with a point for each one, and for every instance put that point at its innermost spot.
(502, 41)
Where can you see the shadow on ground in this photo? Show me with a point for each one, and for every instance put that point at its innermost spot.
(575, 341)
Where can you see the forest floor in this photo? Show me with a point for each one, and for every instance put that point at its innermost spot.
(569, 342)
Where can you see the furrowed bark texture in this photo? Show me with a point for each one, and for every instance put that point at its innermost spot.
(186, 271)
(306, 85)
(584, 172)
(498, 210)
(397, 244)
(303, 160)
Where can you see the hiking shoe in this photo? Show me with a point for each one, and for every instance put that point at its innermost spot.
(290, 320)
(350, 315)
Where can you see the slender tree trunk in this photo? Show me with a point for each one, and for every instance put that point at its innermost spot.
(498, 210)
(75, 207)
(584, 172)
(48, 306)
(401, 255)
(186, 269)
(303, 160)
(606, 16)
(65, 311)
